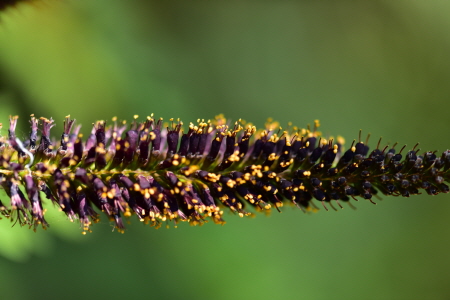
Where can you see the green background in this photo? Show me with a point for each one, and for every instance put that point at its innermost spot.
(380, 66)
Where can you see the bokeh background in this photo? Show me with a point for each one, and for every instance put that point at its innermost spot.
(380, 66)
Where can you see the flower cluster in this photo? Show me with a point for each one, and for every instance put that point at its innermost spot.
(162, 173)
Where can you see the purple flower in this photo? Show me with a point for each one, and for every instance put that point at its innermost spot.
(163, 174)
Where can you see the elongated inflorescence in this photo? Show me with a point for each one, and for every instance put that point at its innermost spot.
(163, 173)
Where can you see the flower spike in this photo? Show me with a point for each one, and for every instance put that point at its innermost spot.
(163, 173)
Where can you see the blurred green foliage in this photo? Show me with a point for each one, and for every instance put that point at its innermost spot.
(382, 66)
